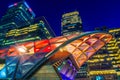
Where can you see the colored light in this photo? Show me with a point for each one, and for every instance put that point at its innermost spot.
(99, 78)
(3, 73)
(59, 69)
(10, 5)
(47, 49)
(22, 49)
(26, 4)
(15, 4)
(30, 9)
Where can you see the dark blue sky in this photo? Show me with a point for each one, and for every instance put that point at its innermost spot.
(94, 13)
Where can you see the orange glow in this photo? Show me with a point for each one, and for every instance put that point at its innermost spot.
(59, 55)
(79, 50)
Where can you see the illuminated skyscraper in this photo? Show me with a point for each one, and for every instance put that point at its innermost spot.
(105, 63)
(18, 15)
(71, 23)
(19, 25)
(37, 31)
(114, 50)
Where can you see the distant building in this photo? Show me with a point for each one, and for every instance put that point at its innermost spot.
(71, 23)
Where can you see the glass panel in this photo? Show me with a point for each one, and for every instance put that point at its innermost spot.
(84, 46)
(76, 53)
(76, 43)
(84, 38)
(98, 45)
(106, 38)
(69, 48)
(98, 35)
(91, 41)
(81, 59)
(90, 51)
(61, 40)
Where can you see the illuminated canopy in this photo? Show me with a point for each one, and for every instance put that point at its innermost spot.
(23, 59)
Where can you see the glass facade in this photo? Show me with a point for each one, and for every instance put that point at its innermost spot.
(25, 58)
(17, 16)
(114, 50)
(106, 61)
(19, 25)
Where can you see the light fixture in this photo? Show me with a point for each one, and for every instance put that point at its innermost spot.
(22, 49)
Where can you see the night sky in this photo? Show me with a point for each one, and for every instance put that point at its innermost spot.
(94, 13)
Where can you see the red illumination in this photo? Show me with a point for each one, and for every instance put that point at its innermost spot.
(46, 49)
(2, 51)
(41, 43)
(36, 50)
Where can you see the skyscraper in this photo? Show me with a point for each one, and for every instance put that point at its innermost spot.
(19, 25)
(18, 15)
(105, 63)
(38, 30)
(114, 50)
(71, 23)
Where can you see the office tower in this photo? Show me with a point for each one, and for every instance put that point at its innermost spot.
(105, 63)
(114, 50)
(71, 23)
(100, 67)
(37, 31)
(19, 25)
(18, 15)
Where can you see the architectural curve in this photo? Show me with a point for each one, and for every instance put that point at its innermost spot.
(79, 48)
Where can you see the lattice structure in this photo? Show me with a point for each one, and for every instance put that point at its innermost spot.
(23, 59)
